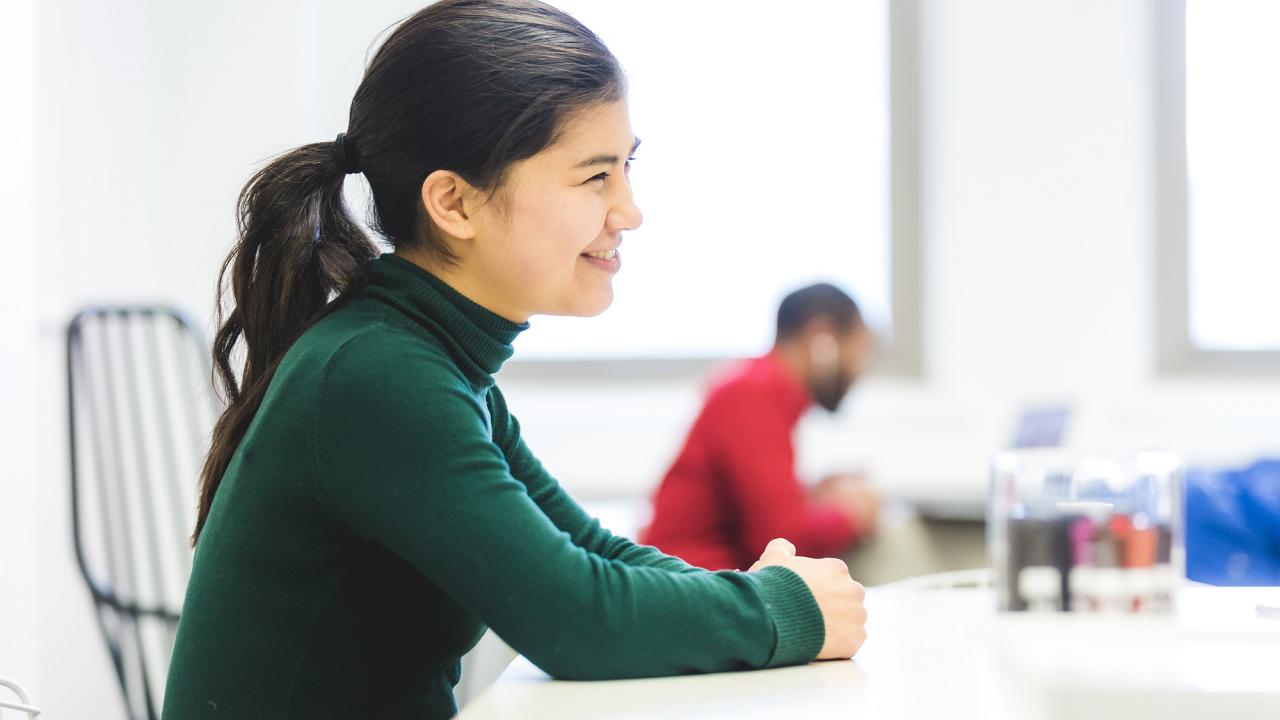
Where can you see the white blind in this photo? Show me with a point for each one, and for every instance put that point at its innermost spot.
(1233, 166)
(764, 166)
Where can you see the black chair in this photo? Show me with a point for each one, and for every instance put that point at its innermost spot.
(139, 408)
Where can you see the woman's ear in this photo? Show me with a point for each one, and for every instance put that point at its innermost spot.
(450, 202)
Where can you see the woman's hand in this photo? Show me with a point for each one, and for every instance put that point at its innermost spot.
(839, 596)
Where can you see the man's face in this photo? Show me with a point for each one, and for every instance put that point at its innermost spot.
(837, 360)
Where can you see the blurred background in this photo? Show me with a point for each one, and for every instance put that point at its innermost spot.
(1038, 203)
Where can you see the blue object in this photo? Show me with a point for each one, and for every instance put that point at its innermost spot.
(1041, 427)
(1233, 525)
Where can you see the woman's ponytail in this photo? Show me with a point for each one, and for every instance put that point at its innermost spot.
(298, 249)
(469, 86)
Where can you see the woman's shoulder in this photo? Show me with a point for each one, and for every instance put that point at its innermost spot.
(361, 344)
(369, 373)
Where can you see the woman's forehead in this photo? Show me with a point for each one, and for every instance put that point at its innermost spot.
(600, 130)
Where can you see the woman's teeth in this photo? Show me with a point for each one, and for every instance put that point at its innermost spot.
(603, 254)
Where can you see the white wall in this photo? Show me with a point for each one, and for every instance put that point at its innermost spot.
(20, 474)
(1038, 191)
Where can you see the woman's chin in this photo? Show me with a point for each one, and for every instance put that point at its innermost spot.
(590, 306)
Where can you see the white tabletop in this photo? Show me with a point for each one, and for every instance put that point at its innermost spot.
(947, 653)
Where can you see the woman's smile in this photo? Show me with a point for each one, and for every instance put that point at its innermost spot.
(609, 260)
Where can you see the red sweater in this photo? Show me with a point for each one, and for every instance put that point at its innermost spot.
(733, 488)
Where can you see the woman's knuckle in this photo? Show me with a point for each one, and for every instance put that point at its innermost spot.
(838, 565)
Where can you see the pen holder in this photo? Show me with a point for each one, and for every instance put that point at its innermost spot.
(1085, 532)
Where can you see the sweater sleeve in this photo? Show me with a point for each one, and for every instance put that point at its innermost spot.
(585, 531)
(754, 450)
(408, 461)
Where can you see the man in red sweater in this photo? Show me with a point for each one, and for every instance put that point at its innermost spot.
(733, 488)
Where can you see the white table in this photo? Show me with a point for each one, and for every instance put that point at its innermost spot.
(947, 654)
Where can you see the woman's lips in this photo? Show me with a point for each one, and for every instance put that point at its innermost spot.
(611, 264)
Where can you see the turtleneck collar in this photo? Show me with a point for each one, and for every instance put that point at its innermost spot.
(477, 339)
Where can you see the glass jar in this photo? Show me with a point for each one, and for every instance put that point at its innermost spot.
(1085, 532)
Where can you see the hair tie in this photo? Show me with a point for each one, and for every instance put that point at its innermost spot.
(344, 152)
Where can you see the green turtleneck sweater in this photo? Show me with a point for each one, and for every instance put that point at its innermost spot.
(382, 510)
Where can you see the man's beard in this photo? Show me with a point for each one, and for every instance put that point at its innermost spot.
(829, 389)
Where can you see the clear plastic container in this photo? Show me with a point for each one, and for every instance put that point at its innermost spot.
(1085, 532)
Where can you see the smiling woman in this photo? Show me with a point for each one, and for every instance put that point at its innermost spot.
(368, 506)
(547, 242)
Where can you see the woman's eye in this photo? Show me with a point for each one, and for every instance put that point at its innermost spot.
(604, 175)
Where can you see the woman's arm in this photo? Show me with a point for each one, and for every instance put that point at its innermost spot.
(585, 531)
(409, 462)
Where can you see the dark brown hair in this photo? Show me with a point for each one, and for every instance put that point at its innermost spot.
(802, 306)
(470, 86)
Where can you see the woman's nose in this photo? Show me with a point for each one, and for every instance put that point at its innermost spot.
(625, 214)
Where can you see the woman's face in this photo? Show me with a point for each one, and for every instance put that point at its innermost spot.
(548, 243)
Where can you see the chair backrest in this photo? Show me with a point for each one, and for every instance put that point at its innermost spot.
(140, 406)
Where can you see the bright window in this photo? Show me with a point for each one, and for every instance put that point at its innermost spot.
(764, 166)
(1233, 170)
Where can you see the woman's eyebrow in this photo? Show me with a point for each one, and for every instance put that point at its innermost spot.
(605, 159)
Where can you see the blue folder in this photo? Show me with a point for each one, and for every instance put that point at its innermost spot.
(1233, 525)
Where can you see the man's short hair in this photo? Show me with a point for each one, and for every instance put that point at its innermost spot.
(802, 306)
